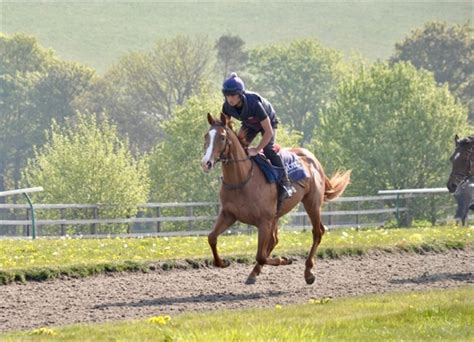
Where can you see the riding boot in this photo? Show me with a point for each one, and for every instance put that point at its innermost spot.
(287, 187)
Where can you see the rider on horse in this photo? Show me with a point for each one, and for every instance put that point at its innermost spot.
(257, 116)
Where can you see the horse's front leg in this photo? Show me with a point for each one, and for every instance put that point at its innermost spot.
(267, 240)
(224, 221)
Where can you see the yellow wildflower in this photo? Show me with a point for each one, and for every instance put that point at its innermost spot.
(44, 331)
(160, 320)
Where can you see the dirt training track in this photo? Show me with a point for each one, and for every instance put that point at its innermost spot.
(139, 295)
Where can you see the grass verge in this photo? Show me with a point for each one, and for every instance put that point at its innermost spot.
(444, 315)
(43, 259)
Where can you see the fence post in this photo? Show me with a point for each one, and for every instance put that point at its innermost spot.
(158, 224)
(26, 228)
(95, 214)
(33, 222)
(190, 214)
(329, 216)
(397, 203)
(357, 215)
(63, 226)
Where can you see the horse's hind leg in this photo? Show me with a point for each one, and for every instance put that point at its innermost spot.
(223, 222)
(313, 210)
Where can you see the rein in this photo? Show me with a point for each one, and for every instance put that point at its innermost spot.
(238, 185)
(225, 159)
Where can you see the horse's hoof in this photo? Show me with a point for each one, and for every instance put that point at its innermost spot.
(222, 264)
(250, 281)
(310, 280)
(286, 261)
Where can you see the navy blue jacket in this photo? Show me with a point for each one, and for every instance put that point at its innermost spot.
(255, 108)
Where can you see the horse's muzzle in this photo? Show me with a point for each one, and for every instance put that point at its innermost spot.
(207, 166)
(451, 186)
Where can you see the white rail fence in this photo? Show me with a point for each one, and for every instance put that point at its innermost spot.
(194, 218)
(25, 193)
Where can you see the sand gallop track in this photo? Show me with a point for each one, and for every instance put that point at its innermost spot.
(139, 295)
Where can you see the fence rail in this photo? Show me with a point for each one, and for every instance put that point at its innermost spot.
(357, 211)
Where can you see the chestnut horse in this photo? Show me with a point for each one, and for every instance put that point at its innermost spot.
(462, 161)
(246, 196)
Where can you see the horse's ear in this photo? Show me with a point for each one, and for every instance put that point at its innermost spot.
(210, 119)
(456, 139)
(224, 119)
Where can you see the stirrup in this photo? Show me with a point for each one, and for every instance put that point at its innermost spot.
(288, 190)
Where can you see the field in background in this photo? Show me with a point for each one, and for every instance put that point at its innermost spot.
(97, 33)
(429, 315)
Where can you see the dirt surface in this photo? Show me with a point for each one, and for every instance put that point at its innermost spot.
(139, 295)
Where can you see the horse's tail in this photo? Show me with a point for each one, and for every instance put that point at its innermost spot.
(335, 186)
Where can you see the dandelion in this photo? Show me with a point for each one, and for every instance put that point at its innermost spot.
(44, 331)
(278, 307)
(160, 320)
(319, 301)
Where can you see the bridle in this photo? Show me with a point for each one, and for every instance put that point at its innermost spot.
(461, 175)
(224, 158)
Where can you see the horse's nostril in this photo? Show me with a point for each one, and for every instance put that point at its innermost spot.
(209, 164)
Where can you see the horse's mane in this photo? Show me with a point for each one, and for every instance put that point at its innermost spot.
(240, 136)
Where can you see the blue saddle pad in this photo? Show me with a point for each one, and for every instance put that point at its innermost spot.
(273, 174)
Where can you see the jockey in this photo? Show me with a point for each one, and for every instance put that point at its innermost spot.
(257, 116)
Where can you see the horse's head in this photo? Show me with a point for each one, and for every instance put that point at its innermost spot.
(462, 161)
(216, 141)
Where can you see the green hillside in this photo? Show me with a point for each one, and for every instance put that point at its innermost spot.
(98, 32)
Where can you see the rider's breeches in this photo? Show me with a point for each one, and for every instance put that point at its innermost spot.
(268, 150)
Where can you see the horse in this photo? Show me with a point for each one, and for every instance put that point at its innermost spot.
(462, 161)
(464, 196)
(246, 196)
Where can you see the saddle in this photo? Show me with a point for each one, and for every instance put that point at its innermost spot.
(291, 163)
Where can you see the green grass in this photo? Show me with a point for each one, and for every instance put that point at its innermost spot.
(443, 315)
(41, 259)
(97, 33)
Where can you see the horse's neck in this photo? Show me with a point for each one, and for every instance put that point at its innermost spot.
(238, 170)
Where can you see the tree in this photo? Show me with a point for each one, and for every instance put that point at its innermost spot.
(447, 51)
(299, 79)
(230, 54)
(20, 53)
(175, 170)
(85, 162)
(132, 97)
(35, 87)
(393, 126)
(142, 89)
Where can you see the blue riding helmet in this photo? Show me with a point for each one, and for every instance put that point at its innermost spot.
(233, 85)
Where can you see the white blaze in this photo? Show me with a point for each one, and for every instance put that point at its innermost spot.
(208, 154)
(457, 155)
